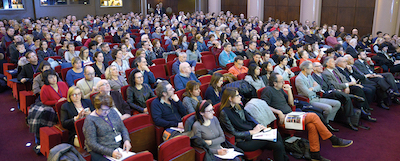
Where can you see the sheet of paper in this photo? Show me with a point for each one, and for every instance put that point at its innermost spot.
(295, 120)
(230, 155)
(266, 135)
(124, 155)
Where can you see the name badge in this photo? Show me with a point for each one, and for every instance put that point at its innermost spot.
(118, 138)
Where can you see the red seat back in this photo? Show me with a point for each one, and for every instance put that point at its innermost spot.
(159, 61)
(205, 79)
(241, 76)
(229, 65)
(64, 73)
(79, 132)
(128, 72)
(169, 67)
(142, 156)
(216, 109)
(293, 84)
(180, 93)
(76, 80)
(295, 69)
(221, 71)
(172, 80)
(142, 133)
(246, 62)
(171, 57)
(158, 71)
(184, 118)
(259, 92)
(177, 148)
(203, 88)
(58, 109)
(209, 62)
(123, 92)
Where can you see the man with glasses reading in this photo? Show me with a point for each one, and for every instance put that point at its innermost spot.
(88, 83)
(238, 67)
(167, 110)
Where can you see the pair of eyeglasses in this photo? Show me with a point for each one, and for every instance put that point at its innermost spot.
(76, 94)
(210, 111)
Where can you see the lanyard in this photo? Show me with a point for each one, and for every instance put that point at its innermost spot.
(59, 93)
(109, 123)
(334, 73)
(119, 82)
(35, 70)
(89, 85)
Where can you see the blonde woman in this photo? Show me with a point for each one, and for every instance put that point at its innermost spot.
(115, 80)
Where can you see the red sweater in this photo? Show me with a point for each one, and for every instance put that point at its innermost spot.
(50, 97)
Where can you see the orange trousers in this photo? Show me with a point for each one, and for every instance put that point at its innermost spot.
(315, 129)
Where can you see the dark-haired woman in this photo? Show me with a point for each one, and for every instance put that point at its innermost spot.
(52, 91)
(99, 66)
(192, 52)
(253, 77)
(44, 51)
(266, 69)
(209, 129)
(192, 96)
(283, 69)
(213, 91)
(104, 130)
(239, 123)
(138, 92)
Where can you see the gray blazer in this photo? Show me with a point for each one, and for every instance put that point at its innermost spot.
(303, 84)
(363, 67)
(331, 79)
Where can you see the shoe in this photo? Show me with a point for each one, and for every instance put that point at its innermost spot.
(364, 112)
(370, 109)
(382, 105)
(330, 128)
(393, 93)
(321, 159)
(364, 127)
(342, 143)
(349, 125)
(369, 118)
(358, 98)
(396, 100)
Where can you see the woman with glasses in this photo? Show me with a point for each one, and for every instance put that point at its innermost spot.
(126, 54)
(52, 90)
(235, 120)
(75, 109)
(208, 128)
(84, 55)
(104, 130)
(138, 92)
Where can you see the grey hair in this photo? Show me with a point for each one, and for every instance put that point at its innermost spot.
(305, 64)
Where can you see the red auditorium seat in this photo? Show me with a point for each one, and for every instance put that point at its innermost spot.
(142, 133)
(209, 62)
(176, 149)
(64, 73)
(159, 130)
(142, 156)
(205, 78)
(49, 137)
(159, 61)
(81, 138)
(241, 76)
(158, 71)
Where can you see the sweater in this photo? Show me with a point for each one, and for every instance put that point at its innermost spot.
(210, 95)
(117, 84)
(165, 115)
(225, 58)
(190, 103)
(100, 137)
(193, 56)
(87, 86)
(211, 132)
(72, 76)
(137, 98)
(181, 81)
(257, 84)
(50, 97)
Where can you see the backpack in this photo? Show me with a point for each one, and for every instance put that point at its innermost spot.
(246, 90)
(299, 149)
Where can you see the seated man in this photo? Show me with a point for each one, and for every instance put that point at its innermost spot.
(329, 91)
(88, 83)
(280, 103)
(105, 49)
(238, 67)
(28, 70)
(256, 59)
(19, 52)
(306, 86)
(148, 76)
(338, 81)
(150, 55)
(174, 45)
(182, 58)
(226, 56)
(161, 107)
(120, 106)
(385, 80)
(252, 49)
(184, 76)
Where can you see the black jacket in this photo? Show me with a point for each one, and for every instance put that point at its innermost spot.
(232, 123)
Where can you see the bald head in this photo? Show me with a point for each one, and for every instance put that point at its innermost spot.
(341, 62)
(184, 68)
(89, 73)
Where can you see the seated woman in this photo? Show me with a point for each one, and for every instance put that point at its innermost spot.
(192, 96)
(138, 92)
(192, 52)
(126, 54)
(283, 69)
(70, 53)
(158, 50)
(253, 77)
(75, 109)
(213, 91)
(44, 51)
(52, 91)
(104, 130)
(244, 127)
(208, 128)
(266, 70)
(37, 82)
(115, 80)
(121, 64)
(99, 66)
(84, 55)
(76, 72)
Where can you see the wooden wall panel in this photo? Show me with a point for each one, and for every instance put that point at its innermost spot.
(350, 14)
(284, 10)
(237, 7)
